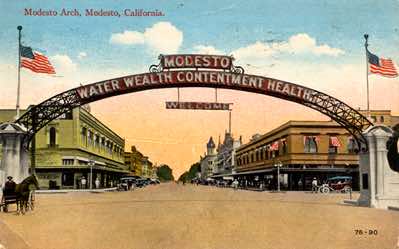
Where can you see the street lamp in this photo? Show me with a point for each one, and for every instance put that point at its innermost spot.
(278, 164)
(91, 164)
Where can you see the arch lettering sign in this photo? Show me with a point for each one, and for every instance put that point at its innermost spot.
(195, 70)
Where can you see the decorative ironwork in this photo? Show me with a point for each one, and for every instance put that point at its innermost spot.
(157, 68)
(343, 114)
(236, 69)
(40, 115)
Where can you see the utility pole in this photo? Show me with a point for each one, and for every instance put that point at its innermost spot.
(19, 70)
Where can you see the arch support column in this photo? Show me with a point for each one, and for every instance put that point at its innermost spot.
(15, 155)
(379, 185)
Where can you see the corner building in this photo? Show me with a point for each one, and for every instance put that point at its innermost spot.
(303, 150)
(74, 145)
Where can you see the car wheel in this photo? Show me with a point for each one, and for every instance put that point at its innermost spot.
(347, 189)
(325, 190)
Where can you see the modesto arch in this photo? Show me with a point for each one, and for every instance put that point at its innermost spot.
(173, 71)
(193, 70)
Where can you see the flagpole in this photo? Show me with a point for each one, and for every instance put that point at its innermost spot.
(366, 37)
(19, 69)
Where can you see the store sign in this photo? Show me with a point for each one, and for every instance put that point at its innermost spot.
(197, 105)
(227, 77)
(48, 175)
(196, 61)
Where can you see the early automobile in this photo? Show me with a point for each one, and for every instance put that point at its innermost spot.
(338, 184)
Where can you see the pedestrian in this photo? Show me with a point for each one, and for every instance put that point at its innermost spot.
(300, 184)
(97, 183)
(236, 183)
(83, 182)
(314, 185)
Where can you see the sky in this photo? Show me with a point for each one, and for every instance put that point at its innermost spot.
(318, 44)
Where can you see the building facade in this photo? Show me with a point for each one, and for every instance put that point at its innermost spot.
(226, 153)
(75, 146)
(301, 150)
(381, 117)
(207, 162)
(138, 164)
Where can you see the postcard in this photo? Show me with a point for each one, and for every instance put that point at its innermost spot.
(199, 124)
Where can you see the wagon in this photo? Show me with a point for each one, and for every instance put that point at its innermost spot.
(11, 198)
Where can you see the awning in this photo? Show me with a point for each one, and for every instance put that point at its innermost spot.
(84, 167)
(282, 170)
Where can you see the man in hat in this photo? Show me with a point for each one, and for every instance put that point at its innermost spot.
(314, 185)
(9, 186)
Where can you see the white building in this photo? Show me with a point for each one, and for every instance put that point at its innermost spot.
(208, 161)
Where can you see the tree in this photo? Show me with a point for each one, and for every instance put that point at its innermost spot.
(183, 177)
(164, 173)
(192, 173)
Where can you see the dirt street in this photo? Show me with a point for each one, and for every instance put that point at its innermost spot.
(169, 216)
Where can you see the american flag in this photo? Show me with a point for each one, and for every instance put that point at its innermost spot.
(35, 61)
(381, 66)
(334, 141)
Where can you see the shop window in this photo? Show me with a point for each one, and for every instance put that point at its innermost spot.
(332, 149)
(53, 138)
(284, 145)
(90, 138)
(365, 181)
(310, 144)
(352, 145)
(67, 178)
(334, 144)
(97, 141)
(67, 161)
(84, 136)
(103, 142)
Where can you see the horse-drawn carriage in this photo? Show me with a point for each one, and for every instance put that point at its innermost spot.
(23, 195)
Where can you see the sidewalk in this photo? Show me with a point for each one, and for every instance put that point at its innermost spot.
(64, 191)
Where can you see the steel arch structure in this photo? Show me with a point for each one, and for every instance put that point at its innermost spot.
(232, 78)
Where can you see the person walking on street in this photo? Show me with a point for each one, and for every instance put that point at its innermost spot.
(314, 185)
(235, 184)
(97, 183)
(83, 182)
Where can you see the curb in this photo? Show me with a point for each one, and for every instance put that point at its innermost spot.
(65, 191)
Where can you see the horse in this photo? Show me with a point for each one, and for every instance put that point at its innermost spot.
(393, 152)
(23, 191)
